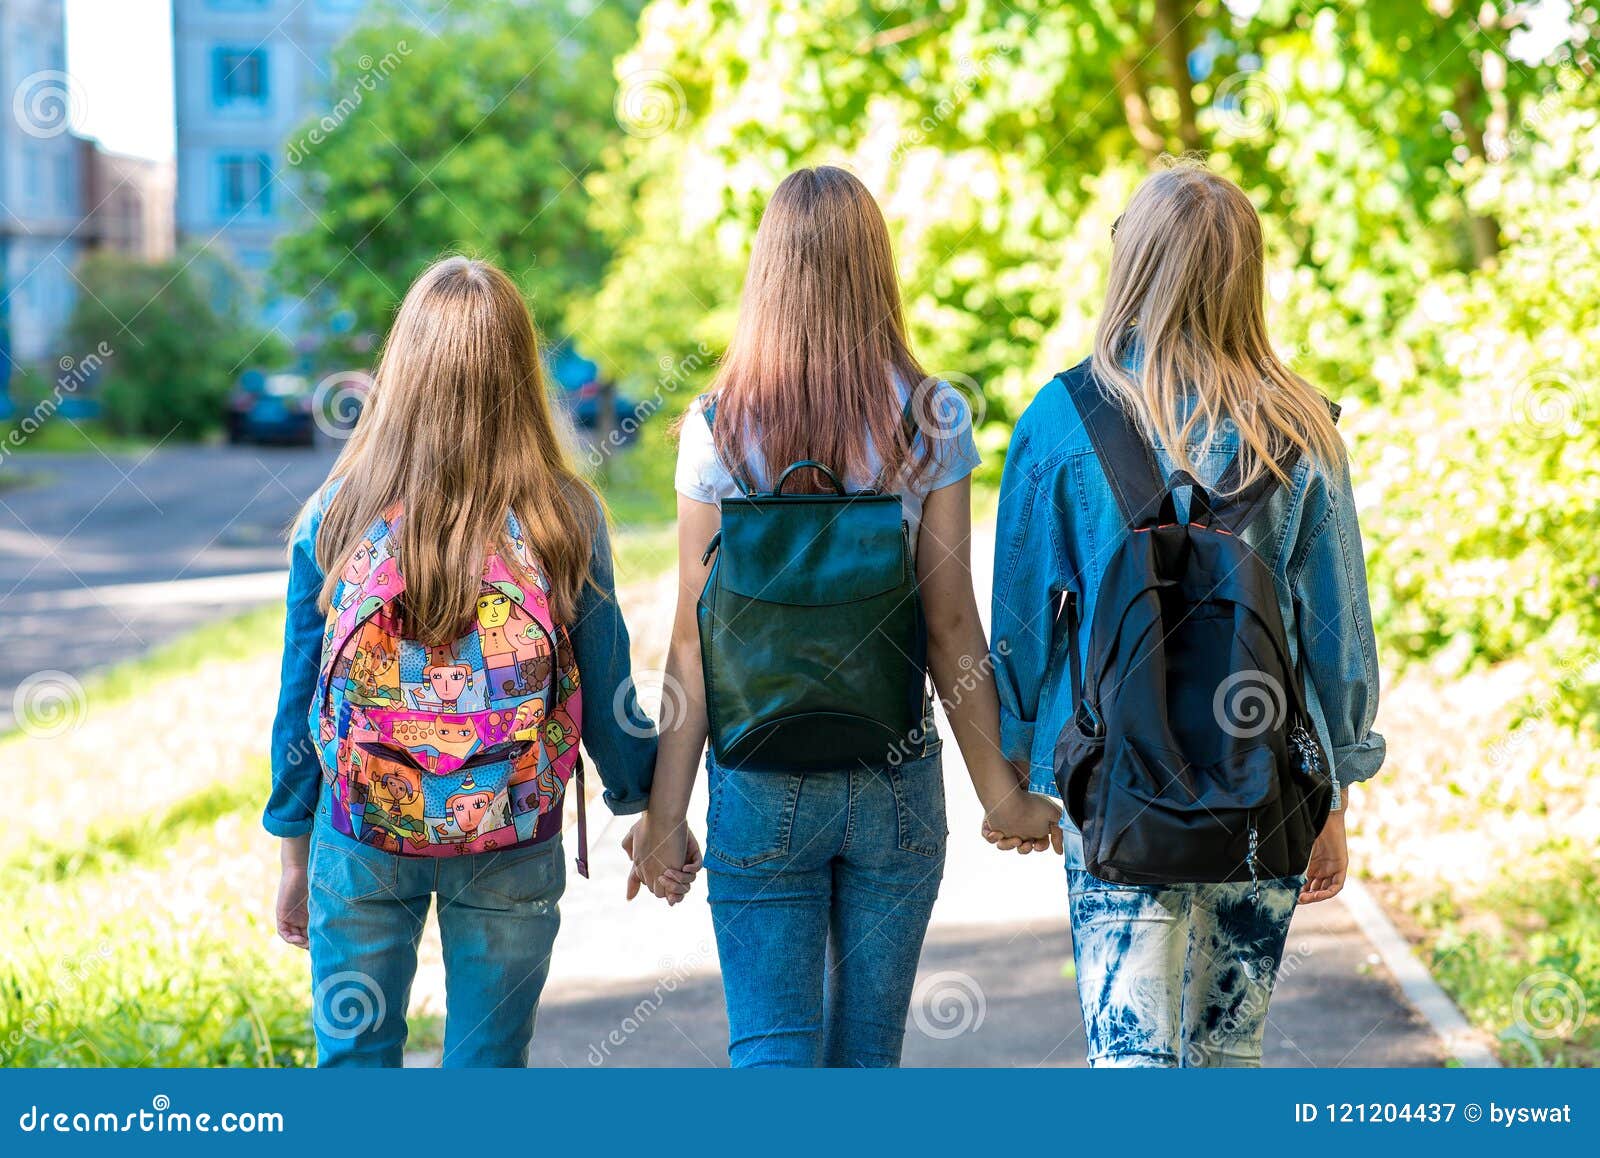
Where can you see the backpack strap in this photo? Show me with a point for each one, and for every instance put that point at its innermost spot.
(1243, 507)
(1124, 453)
(708, 411)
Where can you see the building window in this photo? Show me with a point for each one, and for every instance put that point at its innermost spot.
(238, 76)
(244, 185)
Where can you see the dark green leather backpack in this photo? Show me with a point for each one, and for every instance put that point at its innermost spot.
(812, 639)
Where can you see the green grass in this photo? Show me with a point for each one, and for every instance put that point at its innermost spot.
(239, 637)
(107, 847)
(1523, 959)
(57, 435)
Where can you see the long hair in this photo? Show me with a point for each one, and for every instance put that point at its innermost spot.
(458, 430)
(821, 339)
(1187, 291)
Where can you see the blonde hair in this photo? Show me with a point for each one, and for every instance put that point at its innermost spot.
(458, 430)
(1186, 295)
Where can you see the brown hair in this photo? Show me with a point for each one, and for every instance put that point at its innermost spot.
(458, 429)
(821, 339)
(1187, 287)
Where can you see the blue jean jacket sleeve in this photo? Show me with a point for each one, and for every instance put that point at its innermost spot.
(616, 732)
(1333, 618)
(1026, 589)
(296, 771)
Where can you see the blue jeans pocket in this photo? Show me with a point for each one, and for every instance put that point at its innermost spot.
(919, 805)
(351, 871)
(522, 876)
(752, 815)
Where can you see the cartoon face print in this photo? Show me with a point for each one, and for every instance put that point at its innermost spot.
(528, 639)
(454, 736)
(360, 564)
(371, 665)
(447, 681)
(494, 608)
(467, 809)
(396, 787)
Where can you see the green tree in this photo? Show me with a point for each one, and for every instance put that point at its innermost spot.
(171, 339)
(1427, 201)
(474, 135)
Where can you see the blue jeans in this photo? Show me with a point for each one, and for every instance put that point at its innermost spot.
(1175, 975)
(498, 919)
(826, 877)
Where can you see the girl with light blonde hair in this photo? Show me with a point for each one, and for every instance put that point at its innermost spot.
(1180, 974)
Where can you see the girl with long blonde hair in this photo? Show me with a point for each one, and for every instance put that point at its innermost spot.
(450, 592)
(1180, 974)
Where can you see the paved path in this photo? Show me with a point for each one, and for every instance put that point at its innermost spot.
(103, 557)
(995, 983)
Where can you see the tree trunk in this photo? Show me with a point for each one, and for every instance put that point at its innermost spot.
(1141, 123)
(1172, 29)
(1483, 229)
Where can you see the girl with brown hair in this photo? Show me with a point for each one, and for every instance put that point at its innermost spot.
(822, 883)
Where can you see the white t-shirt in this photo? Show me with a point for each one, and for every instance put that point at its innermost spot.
(702, 476)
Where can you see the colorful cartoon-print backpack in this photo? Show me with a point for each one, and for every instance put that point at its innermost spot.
(464, 748)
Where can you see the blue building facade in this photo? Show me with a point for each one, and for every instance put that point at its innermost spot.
(41, 185)
(247, 75)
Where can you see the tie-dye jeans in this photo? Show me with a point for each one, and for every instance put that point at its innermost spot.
(1175, 975)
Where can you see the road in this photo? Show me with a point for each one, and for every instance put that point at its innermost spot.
(103, 557)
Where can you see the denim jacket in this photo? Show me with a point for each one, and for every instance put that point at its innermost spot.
(1058, 526)
(625, 756)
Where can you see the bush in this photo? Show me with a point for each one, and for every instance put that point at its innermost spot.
(173, 337)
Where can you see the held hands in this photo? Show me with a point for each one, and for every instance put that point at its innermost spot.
(292, 913)
(1024, 822)
(1330, 862)
(666, 865)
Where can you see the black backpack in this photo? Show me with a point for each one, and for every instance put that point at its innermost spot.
(1190, 756)
(812, 641)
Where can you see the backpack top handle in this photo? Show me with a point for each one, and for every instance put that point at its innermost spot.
(1163, 511)
(808, 464)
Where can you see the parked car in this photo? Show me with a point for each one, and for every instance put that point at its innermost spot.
(594, 402)
(272, 408)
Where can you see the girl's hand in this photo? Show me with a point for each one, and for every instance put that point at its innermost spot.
(1330, 862)
(666, 866)
(293, 894)
(1024, 822)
